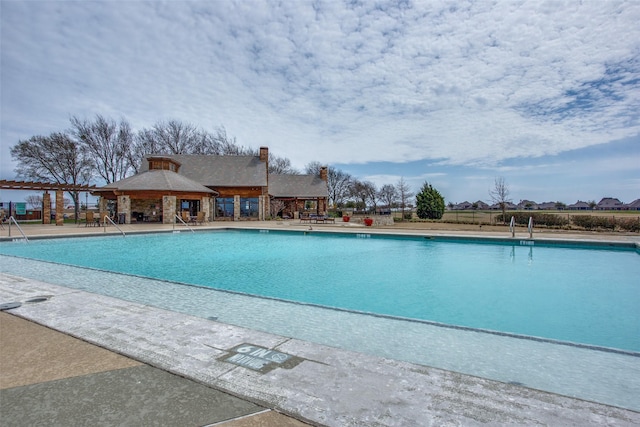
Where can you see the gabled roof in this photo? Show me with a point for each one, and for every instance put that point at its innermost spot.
(634, 204)
(158, 180)
(221, 171)
(302, 186)
(579, 204)
(609, 202)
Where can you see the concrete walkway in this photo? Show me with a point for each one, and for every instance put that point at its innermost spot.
(49, 378)
(105, 361)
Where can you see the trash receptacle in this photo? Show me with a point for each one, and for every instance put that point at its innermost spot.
(122, 218)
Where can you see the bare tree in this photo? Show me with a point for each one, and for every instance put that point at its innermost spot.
(55, 158)
(144, 144)
(276, 206)
(500, 196)
(338, 182)
(388, 195)
(404, 194)
(224, 145)
(175, 137)
(281, 165)
(108, 143)
(34, 201)
(372, 194)
(364, 193)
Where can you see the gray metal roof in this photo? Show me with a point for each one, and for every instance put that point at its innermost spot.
(158, 180)
(221, 171)
(301, 186)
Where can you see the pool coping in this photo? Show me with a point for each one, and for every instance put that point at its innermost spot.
(329, 387)
(604, 241)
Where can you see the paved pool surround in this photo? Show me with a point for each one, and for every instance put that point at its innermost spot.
(326, 386)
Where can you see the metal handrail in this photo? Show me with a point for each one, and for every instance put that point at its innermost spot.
(11, 218)
(530, 227)
(104, 224)
(182, 221)
(512, 226)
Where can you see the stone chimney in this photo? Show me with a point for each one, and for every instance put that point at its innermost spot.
(264, 154)
(324, 174)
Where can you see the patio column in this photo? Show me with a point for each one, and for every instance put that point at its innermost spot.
(59, 207)
(46, 208)
(205, 205)
(168, 209)
(102, 209)
(124, 209)
(236, 208)
(265, 208)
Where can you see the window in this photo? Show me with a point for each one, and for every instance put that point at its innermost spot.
(224, 207)
(249, 207)
(310, 205)
(191, 206)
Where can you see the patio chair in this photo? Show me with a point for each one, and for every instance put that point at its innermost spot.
(201, 219)
(89, 220)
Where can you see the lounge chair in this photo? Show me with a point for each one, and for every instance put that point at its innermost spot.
(305, 217)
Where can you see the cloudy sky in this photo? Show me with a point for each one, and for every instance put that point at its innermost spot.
(544, 94)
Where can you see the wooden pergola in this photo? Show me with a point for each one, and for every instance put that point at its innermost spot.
(46, 198)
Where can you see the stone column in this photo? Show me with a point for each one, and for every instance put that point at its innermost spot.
(59, 207)
(168, 209)
(264, 207)
(46, 208)
(102, 209)
(124, 208)
(236, 208)
(205, 206)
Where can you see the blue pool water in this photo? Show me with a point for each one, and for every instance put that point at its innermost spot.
(588, 296)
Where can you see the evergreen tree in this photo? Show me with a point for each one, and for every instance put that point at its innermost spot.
(429, 203)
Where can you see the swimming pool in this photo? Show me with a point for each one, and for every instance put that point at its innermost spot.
(575, 294)
(601, 375)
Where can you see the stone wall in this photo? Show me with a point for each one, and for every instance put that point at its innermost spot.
(149, 208)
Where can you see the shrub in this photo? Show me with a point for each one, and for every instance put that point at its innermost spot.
(589, 222)
(429, 203)
(629, 224)
(539, 219)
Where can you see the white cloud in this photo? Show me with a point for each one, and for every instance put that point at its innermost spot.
(465, 83)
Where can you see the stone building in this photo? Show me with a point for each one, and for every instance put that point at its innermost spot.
(218, 188)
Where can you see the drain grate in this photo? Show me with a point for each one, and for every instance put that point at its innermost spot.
(38, 299)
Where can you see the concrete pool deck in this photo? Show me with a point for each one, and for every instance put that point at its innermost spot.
(320, 385)
(39, 230)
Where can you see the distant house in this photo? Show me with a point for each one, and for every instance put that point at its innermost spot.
(547, 206)
(579, 206)
(527, 205)
(610, 204)
(633, 206)
(482, 206)
(508, 206)
(462, 206)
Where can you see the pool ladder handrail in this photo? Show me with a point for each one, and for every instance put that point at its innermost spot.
(104, 224)
(11, 218)
(512, 226)
(182, 221)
